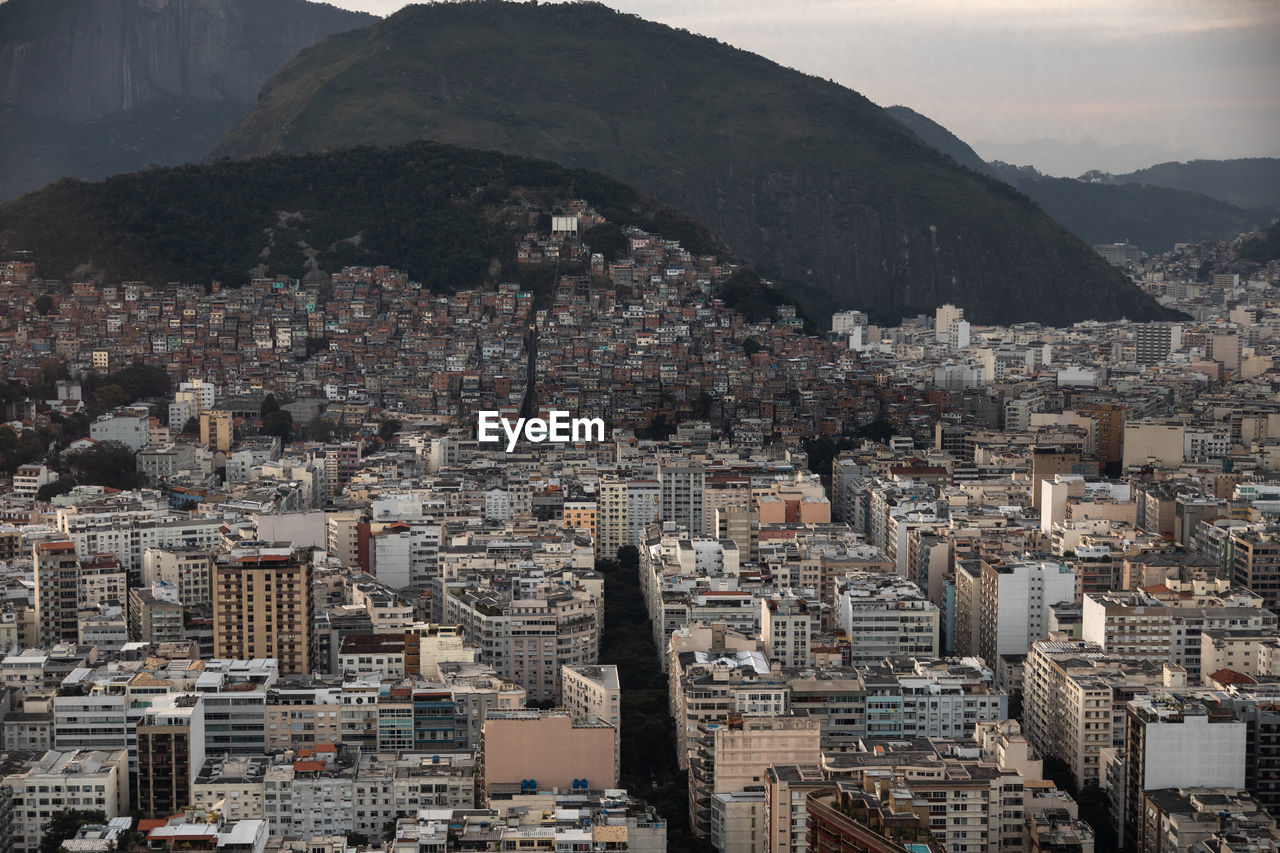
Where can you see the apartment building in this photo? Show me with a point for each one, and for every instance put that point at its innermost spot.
(886, 615)
(263, 601)
(189, 570)
(527, 636)
(536, 751)
(170, 739)
(1075, 697)
(1256, 563)
(76, 779)
(1003, 607)
(786, 624)
(733, 757)
(594, 691)
(682, 487)
(57, 583)
(1174, 741)
(1139, 625)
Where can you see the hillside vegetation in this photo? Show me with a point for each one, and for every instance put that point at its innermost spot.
(450, 217)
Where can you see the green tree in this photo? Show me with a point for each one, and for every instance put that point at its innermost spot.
(608, 240)
(140, 381)
(279, 423)
(108, 463)
(44, 304)
(751, 346)
(65, 824)
(1095, 810)
(191, 427)
(49, 491)
(269, 405)
(659, 428)
(112, 396)
(21, 448)
(388, 428)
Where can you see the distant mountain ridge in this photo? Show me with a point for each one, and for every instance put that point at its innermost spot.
(809, 181)
(1251, 182)
(186, 69)
(1105, 208)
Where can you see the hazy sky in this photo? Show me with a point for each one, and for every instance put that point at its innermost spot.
(1187, 77)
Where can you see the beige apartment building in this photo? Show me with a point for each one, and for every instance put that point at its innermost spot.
(215, 430)
(303, 717)
(528, 640)
(263, 600)
(594, 691)
(553, 750)
(611, 517)
(1074, 700)
(57, 580)
(737, 755)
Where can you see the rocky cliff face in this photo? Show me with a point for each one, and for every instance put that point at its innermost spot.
(66, 62)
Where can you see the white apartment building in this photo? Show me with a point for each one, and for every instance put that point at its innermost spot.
(77, 779)
(128, 426)
(786, 624)
(130, 533)
(886, 615)
(188, 570)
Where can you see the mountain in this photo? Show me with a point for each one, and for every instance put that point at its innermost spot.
(1097, 210)
(1265, 248)
(450, 217)
(1065, 159)
(940, 139)
(1150, 217)
(1250, 182)
(94, 87)
(809, 181)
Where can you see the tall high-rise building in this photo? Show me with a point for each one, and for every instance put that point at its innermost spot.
(215, 430)
(593, 690)
(1257, 563)
(682, 490)
(785, 626)
(57, 581)
(643, 500)
(944, 325)
(263, 601)
(1176, 741)
(1153, 342)
(1224, 348)
(611, 517)
(170, 753)
(1014, 601)
(1108, 430)
(1046, 463)
(584, 515)
(742, 526)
